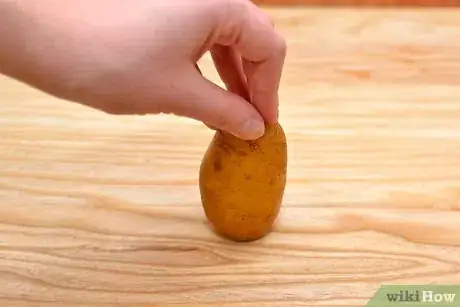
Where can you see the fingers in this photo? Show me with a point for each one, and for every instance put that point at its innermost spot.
(246, 29)
(206, 124)
(230, 68)
(204, 101)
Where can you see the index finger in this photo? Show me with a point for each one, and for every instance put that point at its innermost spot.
(249, 31)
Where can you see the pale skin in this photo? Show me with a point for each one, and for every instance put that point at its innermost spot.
(139, 57)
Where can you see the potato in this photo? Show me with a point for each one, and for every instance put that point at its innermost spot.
(242, 183)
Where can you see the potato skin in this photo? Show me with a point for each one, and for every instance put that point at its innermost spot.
(242, 183)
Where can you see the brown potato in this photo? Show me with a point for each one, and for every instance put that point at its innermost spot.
(242, 183)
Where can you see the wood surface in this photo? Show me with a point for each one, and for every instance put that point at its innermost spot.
(360, 3)
(99, 210)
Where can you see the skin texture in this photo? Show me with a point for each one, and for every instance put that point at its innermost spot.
(242, 183)
(126, 58)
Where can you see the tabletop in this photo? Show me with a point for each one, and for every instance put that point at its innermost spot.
(100, 210)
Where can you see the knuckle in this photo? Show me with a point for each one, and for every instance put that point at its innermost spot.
(237, 6)
(235, 10)
(280, 45)
(269, 19)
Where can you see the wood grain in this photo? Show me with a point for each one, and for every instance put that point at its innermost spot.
(361, 3)
(99, 210)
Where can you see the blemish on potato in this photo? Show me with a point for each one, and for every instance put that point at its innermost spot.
(217, 164)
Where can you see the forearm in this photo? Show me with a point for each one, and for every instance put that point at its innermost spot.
(34, 46)
(49, 44)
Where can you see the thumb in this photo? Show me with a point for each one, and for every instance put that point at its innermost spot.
(200, 99)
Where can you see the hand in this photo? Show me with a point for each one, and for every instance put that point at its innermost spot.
(139, 57)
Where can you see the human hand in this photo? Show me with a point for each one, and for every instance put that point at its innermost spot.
(139, 57)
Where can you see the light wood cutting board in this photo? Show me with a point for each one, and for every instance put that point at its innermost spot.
(97, 210)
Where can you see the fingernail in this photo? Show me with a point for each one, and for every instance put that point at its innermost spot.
(252, 129)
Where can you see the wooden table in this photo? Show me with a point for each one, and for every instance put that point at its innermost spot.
(98, 209)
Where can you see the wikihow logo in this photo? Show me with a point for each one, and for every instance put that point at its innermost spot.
(413, 295)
